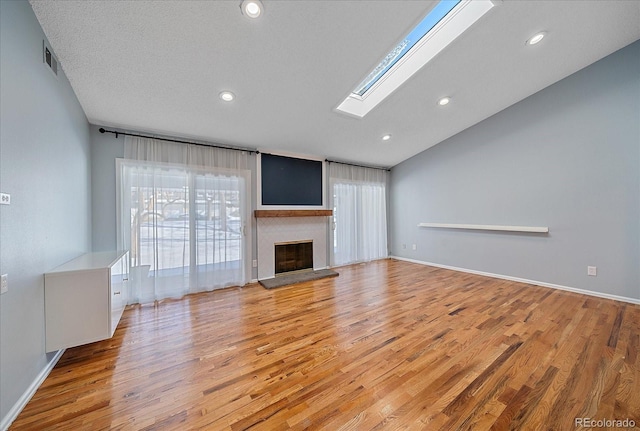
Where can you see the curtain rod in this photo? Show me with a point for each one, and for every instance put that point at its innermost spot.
(359, 166)
(102, 130)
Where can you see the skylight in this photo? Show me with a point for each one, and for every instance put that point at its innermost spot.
(429, 21)
(442, 25)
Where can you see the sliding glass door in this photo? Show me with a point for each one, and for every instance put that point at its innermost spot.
(218, 240)
(184, 227)
(358, 197)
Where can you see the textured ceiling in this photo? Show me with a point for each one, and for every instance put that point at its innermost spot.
(158, 66)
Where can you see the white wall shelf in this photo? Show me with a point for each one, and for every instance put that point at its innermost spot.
(529, 229)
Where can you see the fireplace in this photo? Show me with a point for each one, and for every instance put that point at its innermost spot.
(279, 227)
(293, 256)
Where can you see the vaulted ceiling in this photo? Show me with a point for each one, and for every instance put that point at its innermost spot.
(159, 66)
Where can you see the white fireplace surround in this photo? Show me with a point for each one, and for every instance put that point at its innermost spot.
(273, 230)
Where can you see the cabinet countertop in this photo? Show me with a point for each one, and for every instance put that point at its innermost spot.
(89, 261)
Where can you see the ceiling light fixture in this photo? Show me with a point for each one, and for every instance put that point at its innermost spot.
(386, 137)
(227, 96)
(444, 101)
(251, 8)
(536, 38)
(441, 26)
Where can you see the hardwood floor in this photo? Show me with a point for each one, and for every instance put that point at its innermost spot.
(387, 345)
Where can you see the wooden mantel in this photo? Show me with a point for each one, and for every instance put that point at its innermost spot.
(293, 213)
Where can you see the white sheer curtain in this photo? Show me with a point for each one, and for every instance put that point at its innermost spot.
(358, 199)
(183, 215)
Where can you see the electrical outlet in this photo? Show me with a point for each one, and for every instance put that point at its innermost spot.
(414, 246)
(4, 283)
(255, 263)
(592, 271)
(5, 199)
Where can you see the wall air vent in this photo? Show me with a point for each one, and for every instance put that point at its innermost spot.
(49, 59)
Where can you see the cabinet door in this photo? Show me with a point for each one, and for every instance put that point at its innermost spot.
(117, 292)
(125, 280)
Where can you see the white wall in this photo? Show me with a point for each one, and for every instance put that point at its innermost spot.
(105, 149)
(45, 166)
(567, 157)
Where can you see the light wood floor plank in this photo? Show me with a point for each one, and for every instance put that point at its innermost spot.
(387, 345)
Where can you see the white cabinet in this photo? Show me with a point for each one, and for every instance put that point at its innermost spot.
(84, 299)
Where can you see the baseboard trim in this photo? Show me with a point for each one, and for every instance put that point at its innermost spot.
(31, 390)
(524, 280)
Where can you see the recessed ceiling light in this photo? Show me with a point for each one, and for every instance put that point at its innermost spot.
(386, 137)
(536, 38)
(444, 101)
(227, 96)
(251, 8)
